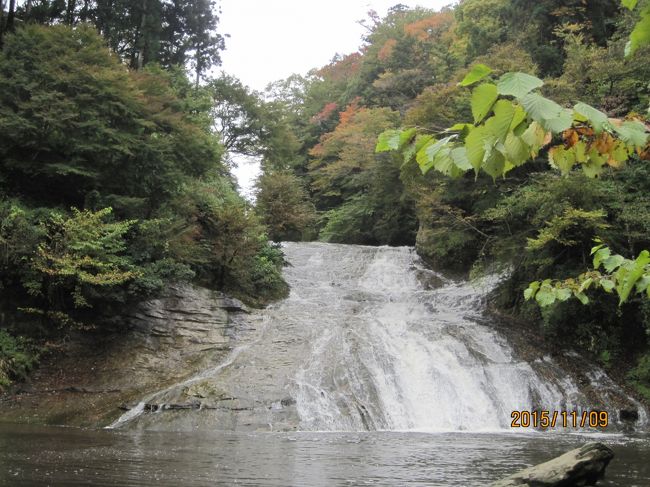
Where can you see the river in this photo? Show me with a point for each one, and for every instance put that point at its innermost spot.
(48, 456)
(374, 371)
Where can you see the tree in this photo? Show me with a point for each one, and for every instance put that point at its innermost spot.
(284, 206)
(170, 32)
(360, 192)
(88, 132)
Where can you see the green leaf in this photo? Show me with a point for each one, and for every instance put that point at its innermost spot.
(516, 150)
(392, 139)
(545, 296)
(494, 164)
(427, 154)
(534, 136)
(628, 275)
(596, 118)
(406, 136)
(459, 155)
(459, 127)
(640, 35)
(560, 123)
(518, 84)
(518, 118)
(531, 290)
(632, 132)
(581, 151)
(563, 293)
(540, 108)
(643, 283)
(483, 97)
(498, 126)
(613, 262)
(419, 142)
(475, 144)
(444, 163)
(584, 285)
(630, 4)
(582, 297)
(607, 285)
(592, 168)
(600, 255)
(388, 140)
(562, 158)
(477, 73)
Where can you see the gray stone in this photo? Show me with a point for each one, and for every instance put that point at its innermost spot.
(162, 341)
(576, 468)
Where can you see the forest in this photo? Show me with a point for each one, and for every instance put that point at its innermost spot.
(491, 135)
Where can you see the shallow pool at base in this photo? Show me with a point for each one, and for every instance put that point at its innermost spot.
(40, 456)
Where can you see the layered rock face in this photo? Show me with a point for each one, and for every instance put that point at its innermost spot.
(163, 341)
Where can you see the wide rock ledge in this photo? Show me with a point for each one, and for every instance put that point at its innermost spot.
(161, 342)
(576, 468)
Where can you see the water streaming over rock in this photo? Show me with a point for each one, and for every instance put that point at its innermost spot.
(368, 339)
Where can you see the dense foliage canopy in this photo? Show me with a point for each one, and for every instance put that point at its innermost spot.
(553, 96)
(112, 185)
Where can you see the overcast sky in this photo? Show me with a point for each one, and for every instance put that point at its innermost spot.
(272, 39)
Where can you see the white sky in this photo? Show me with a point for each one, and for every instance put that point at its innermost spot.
(272, 39)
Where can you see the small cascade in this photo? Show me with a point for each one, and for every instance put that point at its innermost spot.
(369, 339)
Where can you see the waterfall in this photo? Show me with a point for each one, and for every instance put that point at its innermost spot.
(370, 339)
(401, 348)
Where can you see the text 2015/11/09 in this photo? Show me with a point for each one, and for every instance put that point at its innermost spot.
(564, 419)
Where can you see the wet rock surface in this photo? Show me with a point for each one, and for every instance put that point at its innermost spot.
(580, 467)
(163, 341)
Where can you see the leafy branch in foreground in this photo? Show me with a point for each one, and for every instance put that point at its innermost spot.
(620, 275)
(640, 35)
(512, 123)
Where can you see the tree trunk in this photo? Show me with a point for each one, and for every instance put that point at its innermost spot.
(142, 41)
(198, 68)
(2, 20)
(10, 16)
(83, 17)
(69, 13)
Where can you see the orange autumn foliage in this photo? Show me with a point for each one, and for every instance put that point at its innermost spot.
(427, 28)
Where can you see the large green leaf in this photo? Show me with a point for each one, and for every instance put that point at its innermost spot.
(499, 124)
(444, 163)
(632, 132)
(477, 73)
(518, 84)
(640, 36)
(388, 140)
(475, 144)
(419, 142)
(483, 97)
(563, 121)
(596, 118)
(633, 272)
(540, 108)
(545, 296)
(629, 3)
(517, 120)
(516, 150)
(534, 136)
(562, 158)
(459, 155)
(494, 164)
(426, 156)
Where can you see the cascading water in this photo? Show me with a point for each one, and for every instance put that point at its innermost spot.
(394, 355)
(369, 339)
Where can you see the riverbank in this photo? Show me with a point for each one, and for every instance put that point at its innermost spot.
(90, 377)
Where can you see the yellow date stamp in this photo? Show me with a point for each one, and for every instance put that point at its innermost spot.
(560, 419)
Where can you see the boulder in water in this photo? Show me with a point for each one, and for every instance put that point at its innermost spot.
(576, 468)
